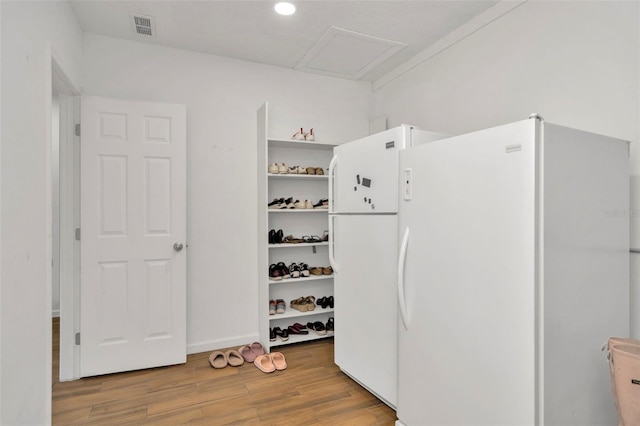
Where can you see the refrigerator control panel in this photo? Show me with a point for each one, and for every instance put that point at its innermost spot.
(406, 184)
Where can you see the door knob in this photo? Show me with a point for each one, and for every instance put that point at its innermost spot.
(177, 246)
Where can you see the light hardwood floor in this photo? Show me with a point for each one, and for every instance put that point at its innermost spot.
(311, 391)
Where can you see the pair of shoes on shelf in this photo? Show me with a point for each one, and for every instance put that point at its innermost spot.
(250, 352)
(322, 204)
(315, 171)
(302, 136)
(297, 270)
(278, 332)
(219, 359)
(281, 203)
(303, 204)
(279, 271)
(318, 270)
(303, 304)
(275, 237)
(270, 362)
(297, 328)
(325, 302)
(297, 170)
(290, 239)
(318, 327)
(275, 169)
(277, 306)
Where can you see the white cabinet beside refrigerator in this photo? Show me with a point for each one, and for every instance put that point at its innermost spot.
(513, 271)
(363, 224)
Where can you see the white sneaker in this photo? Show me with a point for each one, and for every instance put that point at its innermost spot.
(299, 136)
(299, 204)
(310, 136)
(292, 170)
(282, 169)
(273, 168)
(301, 170)
(308, 204)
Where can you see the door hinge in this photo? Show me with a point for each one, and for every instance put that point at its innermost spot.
(77, 338)
(77, 129)
(77, 234)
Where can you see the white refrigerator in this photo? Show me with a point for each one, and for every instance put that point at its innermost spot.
(363, 226)
(513, 272)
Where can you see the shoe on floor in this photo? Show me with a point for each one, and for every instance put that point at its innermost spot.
(218, 359)
(234, 358)
(264, 363)
(278, 361)
(247, 353)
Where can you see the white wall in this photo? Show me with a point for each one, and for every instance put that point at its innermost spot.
(575, 63)
(222, 97)
(30, 30)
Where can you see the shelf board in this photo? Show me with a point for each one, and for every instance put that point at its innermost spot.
(299, 338)
(297, 176)
(289, 245)
(292, 143)
(298, 210)
(302, 279)
(292, 313)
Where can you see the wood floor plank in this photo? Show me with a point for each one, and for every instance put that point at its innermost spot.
(311, 391)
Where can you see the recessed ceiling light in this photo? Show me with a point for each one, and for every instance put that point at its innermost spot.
(285, 8)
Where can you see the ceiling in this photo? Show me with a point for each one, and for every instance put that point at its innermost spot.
(358, 40)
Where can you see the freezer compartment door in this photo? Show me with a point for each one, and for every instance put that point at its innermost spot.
(365, 301)
(467, 354)
(365, 177)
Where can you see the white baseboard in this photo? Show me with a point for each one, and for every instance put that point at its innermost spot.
(196, 348)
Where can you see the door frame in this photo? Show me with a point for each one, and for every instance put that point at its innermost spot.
(66, 250)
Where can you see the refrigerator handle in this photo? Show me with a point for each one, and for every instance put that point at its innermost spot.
(332, 166)
(401, 295)
(332, 260)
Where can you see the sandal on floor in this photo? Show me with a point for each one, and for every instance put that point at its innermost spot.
(264, 363)
(234, 358)
(217, 359)
(247, 353)
(278, 361)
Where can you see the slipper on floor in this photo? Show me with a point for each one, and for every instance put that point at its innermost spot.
(247, 353)
(234, 358)
(257, 349)
(217, 359)
(264, 363)
(277, 358)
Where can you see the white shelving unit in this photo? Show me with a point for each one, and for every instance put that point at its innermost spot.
(296, 222)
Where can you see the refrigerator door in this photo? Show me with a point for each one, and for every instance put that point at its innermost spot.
(365, 301)
(467, 335)
(365, 173)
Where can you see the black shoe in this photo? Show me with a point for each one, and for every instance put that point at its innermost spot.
(322, 302)
(272, 335)
(330, 326)
(330, 302)
(284, 334)
(276, 203)
(284, 271)
(272, 236)
(277, 238)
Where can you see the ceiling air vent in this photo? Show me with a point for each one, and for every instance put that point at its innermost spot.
(144, 25)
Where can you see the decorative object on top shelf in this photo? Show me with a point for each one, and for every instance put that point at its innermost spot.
(302, 136)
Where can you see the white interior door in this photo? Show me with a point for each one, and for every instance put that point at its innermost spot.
(133, 224)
